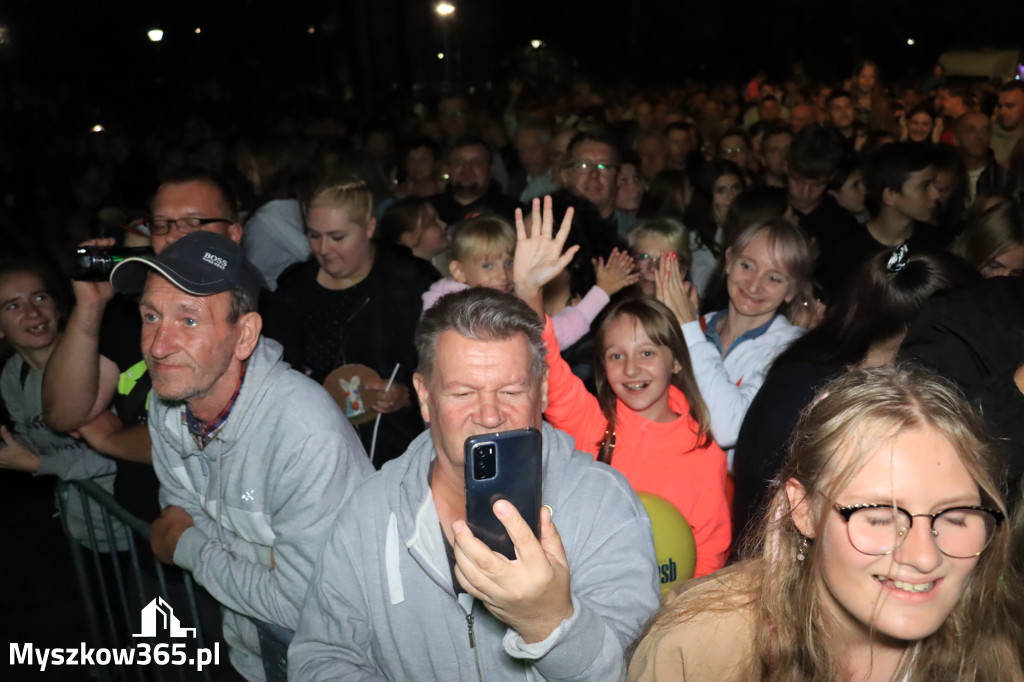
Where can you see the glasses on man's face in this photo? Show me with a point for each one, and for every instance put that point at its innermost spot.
(733, 151)
(959, 532)
(158, 226)
(590, 167)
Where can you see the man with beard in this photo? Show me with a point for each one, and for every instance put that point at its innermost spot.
(471, 186)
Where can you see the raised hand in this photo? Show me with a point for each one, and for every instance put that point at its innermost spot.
(530, 594)
(615, 274)
(94, 294)
(539, 257)
(669, 288)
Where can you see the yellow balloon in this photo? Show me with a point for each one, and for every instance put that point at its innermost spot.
(673, 541)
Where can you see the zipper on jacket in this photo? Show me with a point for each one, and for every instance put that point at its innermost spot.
(472, 645)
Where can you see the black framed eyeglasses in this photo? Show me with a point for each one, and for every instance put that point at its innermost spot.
(183, 225)
(959, 532)
(589, 167)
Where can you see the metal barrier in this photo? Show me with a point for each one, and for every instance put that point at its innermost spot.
(117, 586)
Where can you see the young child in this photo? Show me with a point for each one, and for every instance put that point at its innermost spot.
(481, 252)
(29, 324)
(653, 239)
(648, 420)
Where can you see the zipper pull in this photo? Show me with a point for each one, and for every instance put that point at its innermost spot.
(472, 637)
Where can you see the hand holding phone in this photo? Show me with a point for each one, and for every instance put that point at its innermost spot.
(530, 594)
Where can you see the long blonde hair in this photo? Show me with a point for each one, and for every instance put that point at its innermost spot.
(980, 640)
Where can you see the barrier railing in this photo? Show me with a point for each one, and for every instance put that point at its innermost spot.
(118, 587)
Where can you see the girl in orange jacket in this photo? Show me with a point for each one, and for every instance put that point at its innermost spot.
(648, 420)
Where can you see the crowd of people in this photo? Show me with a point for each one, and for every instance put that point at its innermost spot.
(793, 312)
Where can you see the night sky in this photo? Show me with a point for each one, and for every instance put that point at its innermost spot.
(102, 49)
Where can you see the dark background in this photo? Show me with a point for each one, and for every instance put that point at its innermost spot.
(367, 48)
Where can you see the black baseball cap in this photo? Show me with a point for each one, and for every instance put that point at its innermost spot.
(200, 263)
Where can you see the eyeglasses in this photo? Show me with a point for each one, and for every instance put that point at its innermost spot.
(959, 532)
(645, 260)
(183, 225)
(589, 167)
(733, 151)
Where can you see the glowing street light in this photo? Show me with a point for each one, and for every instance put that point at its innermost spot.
(98, 128)
(155, 35)
(910, 41)
(536, 44)
(311, 30)
(446, 13)
(198, 30)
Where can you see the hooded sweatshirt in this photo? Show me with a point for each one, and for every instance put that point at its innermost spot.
(666, 459)
(262, 494)
(60, 455)
(382, 605)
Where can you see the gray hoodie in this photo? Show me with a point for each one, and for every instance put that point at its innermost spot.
(381, 604)
(263, 494)
(60, 455)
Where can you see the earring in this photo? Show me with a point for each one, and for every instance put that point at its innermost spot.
(804, 549)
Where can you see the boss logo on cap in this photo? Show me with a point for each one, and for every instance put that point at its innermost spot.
(215, 261)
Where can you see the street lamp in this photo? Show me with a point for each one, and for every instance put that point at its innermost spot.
(536, 44)
(446, 12)
(155, 35)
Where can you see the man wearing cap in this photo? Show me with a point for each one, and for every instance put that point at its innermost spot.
(254, 459)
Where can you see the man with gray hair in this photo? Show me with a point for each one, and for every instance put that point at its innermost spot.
(396, 593)
(254, 459)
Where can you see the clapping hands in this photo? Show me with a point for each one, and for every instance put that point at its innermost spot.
(680, 297)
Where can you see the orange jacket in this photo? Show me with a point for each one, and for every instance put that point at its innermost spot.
(663, 459)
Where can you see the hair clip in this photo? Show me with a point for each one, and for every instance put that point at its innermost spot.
(899, 258)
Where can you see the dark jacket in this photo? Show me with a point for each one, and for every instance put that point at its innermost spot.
(975, 336)
(493, 201)
(371, 323)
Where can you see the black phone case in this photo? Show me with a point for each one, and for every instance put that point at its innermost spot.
(517, 479)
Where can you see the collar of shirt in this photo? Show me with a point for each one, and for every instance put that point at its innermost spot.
(711, 332)
(204, 433)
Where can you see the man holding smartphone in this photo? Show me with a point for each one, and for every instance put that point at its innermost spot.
(395, 595)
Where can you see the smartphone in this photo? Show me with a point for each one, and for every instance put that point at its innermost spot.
(502, 466)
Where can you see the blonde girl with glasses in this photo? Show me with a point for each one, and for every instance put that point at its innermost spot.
(883, 554)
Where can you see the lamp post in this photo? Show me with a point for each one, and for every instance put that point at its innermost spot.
(446, 12)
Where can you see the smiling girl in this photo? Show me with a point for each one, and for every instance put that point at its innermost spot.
(732, 349)
(30, 326)
(648, 420)
(883, 555)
